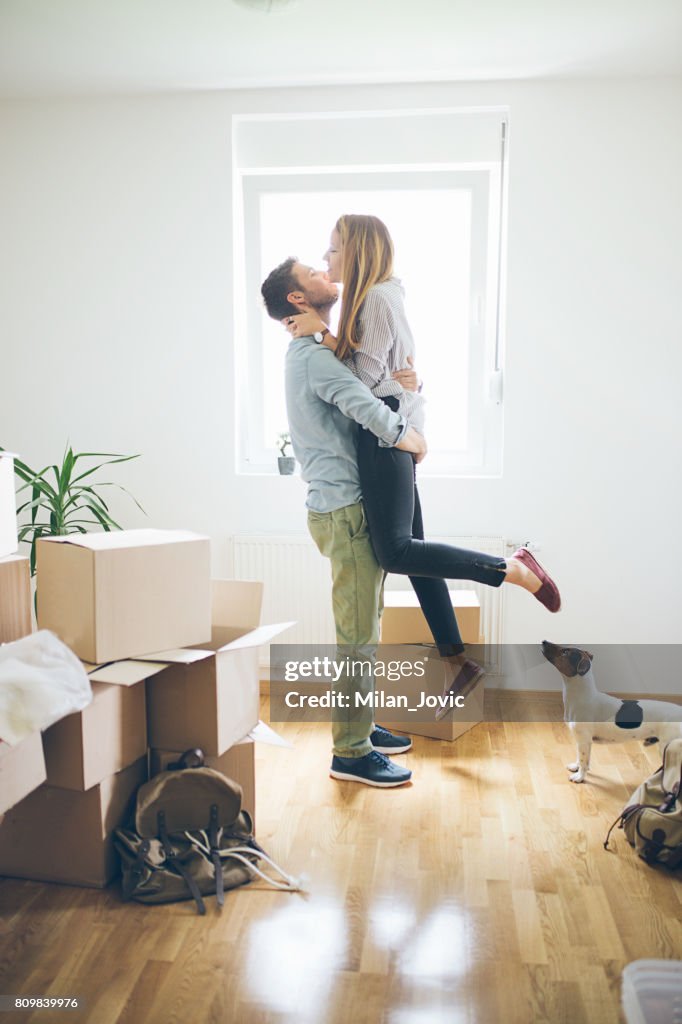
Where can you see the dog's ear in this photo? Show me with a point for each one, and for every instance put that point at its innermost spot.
(585, 663)
(580, 661)
(574, 659)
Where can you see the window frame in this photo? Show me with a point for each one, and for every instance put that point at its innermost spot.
(483, 180)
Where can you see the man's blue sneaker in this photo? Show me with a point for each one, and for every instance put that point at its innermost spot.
(386, 743)
(373, 769)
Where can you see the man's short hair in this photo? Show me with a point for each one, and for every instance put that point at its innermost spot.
(277, 286)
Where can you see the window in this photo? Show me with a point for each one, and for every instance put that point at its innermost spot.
(445, 222)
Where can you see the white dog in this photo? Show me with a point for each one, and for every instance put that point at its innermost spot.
(595, 715)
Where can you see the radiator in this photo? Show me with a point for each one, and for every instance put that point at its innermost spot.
(298, 586)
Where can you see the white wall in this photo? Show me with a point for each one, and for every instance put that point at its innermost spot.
(116, 312)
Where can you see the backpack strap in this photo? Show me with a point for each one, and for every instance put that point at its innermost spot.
(621, 819)
(214, 852)
(136, 870)
(173, 860)
(193, 758)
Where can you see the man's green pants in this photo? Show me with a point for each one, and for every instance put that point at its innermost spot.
(357, 588)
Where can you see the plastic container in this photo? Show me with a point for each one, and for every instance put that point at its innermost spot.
(651, 992)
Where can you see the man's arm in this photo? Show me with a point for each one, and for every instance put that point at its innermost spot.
(413, 442)
(335, 383)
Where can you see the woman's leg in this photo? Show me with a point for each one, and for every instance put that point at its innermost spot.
(434, 598)
(391, 503)
(387, 481)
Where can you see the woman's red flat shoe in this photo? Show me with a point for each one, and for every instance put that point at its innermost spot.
(548, 594)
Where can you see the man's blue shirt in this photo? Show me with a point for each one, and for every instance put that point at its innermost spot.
(325, 404)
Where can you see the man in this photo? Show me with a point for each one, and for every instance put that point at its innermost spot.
(325, 405)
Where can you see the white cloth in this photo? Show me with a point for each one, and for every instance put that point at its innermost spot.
(41, 680)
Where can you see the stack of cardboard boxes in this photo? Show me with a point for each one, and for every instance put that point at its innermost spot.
(113, 598)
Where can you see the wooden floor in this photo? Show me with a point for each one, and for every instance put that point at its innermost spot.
(481, 893)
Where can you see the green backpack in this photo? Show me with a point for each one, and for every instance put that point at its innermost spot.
(652, 819)
(190, 838)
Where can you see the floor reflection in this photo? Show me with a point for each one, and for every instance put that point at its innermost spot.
(437, 949)
(289, 948)
(390, 924)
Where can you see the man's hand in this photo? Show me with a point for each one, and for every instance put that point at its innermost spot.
(413, 442)
(407, 378)
(302, 324)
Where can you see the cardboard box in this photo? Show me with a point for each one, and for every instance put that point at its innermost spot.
(58, 835)
(238, 763)
(403, 622)
(423, 689)
(115, 595)
(8, 506)
(22, 769)
(208, 697)
(109, 734)
(15, 598)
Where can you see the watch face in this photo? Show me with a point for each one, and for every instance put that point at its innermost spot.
(319, 337)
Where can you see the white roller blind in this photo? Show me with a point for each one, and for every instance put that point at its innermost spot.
(377, 139)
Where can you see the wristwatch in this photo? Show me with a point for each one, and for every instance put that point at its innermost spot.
(318, 336)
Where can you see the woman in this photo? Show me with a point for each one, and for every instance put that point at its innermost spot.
(375, 340)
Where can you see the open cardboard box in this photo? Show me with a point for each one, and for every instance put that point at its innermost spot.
(8, 508)
(109, 734)
(120, 594)
(15, 598)
(59, 835)
(208, 696)
(22, 769)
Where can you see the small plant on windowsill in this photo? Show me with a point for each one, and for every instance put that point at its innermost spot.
(285, 463)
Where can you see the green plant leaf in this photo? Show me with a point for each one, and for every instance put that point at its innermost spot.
(36, 482)
(65, 473)
(125, 491)
(23, 471)
(79, 493)
(120, 488)
(94, 503)
(106, 520)
(85, 522)
(35, 531)
(108, 462)
(87, 499)
(34, 505)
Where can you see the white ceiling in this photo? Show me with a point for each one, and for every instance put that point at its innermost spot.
(86, 46)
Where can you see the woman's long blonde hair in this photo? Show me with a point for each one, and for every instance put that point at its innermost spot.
(367, 260)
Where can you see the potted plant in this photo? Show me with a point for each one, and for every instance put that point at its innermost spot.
(285, 463)
(64, 501)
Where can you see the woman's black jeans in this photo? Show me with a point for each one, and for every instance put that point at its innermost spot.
(389, 493)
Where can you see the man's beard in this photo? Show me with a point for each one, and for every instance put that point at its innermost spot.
(323, 309)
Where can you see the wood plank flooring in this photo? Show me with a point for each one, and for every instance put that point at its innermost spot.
(481, 893)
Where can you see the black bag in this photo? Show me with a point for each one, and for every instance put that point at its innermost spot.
(190, 838)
